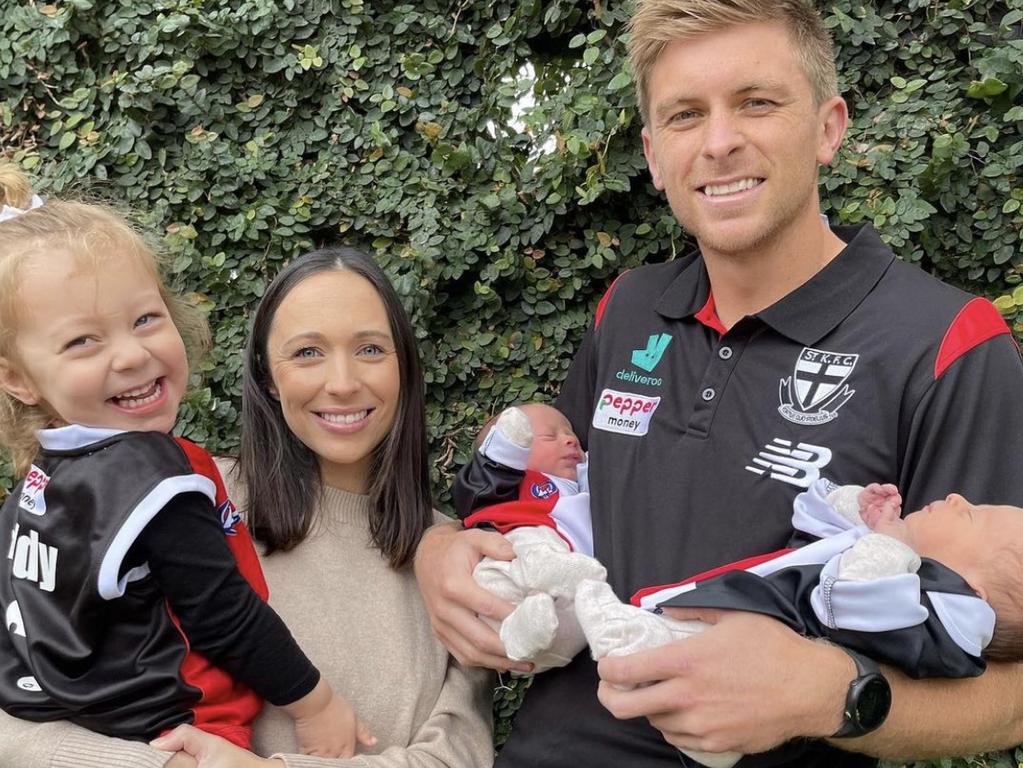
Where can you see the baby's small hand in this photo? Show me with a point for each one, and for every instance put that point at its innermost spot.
(334, 731)
(514, 424)
(880, 504)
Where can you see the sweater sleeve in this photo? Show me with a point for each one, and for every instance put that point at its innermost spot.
(63, 745)
(457, 734)
(222, 616)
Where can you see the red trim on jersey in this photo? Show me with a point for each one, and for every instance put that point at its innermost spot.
(517, 514)
(977, 322)
(602, 305)
(226, 707)
(738, 565)
(708, 315)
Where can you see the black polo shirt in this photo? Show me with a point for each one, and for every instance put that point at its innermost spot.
(699, 439)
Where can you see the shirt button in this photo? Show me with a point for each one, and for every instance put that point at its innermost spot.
(725, 352)
(708, 394)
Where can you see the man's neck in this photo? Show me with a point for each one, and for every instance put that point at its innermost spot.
(746, 283)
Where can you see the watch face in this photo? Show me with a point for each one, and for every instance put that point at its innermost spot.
(873, 702)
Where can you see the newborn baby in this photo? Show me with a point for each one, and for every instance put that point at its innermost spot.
(931, 593)
(527, 479)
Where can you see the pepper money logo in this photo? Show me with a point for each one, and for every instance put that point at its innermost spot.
(32, 499)
(624, 412)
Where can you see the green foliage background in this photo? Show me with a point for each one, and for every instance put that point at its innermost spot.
(247, 133)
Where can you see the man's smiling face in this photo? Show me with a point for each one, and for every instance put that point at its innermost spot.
(735, 137)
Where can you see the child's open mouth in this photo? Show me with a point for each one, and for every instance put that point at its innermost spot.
(140, 396)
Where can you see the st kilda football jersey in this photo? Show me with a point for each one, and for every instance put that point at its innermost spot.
(91, 635)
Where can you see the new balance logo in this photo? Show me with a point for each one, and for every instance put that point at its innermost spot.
(798, 464)
(648, 358)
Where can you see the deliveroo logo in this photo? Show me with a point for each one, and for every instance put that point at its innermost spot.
(648, 358)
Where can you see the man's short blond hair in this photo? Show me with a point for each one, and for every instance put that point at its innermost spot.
(659, 22)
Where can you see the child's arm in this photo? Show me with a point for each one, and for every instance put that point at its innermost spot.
(326, 725)
(226, 620)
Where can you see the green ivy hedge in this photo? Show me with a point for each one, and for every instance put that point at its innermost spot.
(247, 133)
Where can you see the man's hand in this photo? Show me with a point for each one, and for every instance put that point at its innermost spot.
(747, 684)
(209, 751)
(443, 567)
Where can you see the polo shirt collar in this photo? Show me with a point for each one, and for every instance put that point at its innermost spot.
(812, 310)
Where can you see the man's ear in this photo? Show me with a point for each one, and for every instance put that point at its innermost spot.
(15, 383)
(833, 115)
(650, 154)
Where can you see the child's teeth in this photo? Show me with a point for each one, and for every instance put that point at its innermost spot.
(136, 398)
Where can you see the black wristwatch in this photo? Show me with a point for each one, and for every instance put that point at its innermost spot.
(868, 700)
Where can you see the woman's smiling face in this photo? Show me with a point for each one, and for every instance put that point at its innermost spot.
(335, 372)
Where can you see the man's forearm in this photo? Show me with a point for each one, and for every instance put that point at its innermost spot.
(940, 717)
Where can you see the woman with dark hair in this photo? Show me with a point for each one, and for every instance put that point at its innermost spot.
(333, 479)
(282, 473)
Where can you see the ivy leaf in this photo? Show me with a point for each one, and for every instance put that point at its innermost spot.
(986, 88)
(619, 81)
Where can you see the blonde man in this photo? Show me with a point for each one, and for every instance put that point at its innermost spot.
(783, 351)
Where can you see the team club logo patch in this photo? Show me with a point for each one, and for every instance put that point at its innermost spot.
(817, 387)
(543, 490)
(229, 518)
(624, 412)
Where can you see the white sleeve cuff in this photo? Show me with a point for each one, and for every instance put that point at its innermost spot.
(886, 603)
(497, 447)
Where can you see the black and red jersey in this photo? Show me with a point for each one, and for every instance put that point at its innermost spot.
(496, 490)
(928, 623)
(132, 594)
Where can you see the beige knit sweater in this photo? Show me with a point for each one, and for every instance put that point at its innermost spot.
(364, 626)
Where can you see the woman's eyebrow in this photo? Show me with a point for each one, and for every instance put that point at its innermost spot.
(373, 334)
(304, 336)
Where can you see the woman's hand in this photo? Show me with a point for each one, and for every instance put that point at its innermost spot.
(210, 751)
